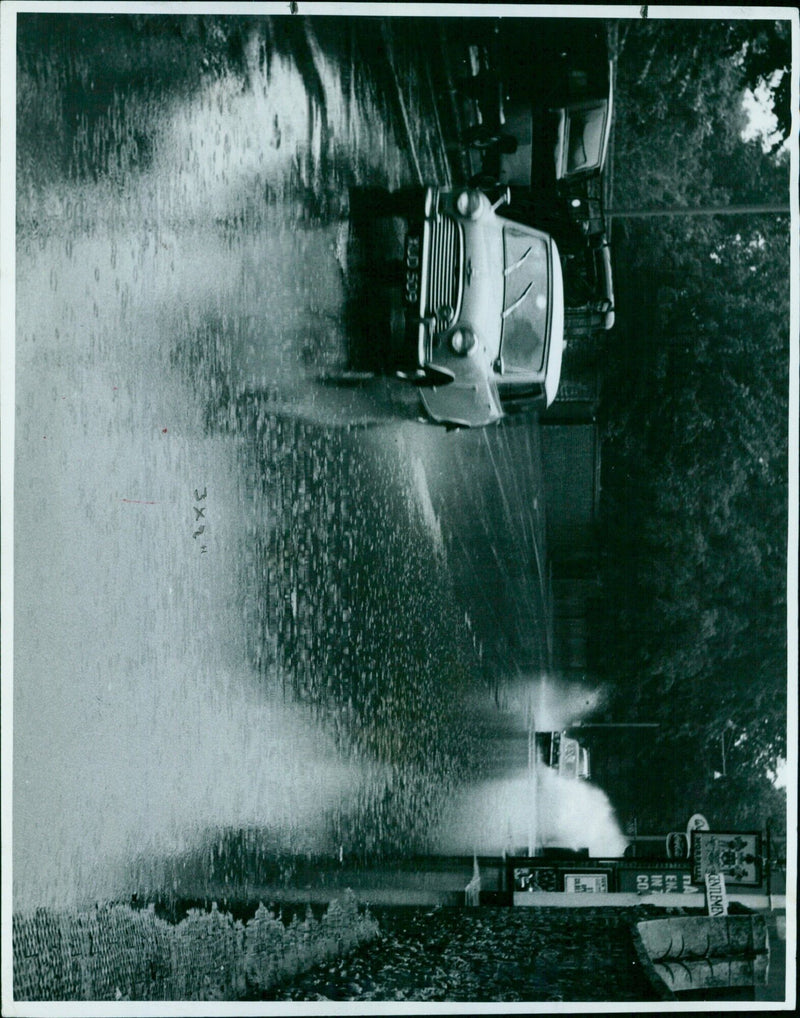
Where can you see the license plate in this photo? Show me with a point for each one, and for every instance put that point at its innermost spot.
(413, 261)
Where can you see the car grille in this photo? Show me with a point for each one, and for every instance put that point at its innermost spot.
(444, 272)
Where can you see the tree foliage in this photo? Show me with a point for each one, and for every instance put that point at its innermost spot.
(682, 54)
(694, 520)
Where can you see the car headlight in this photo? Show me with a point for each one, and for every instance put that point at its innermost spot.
(462, 340)
(469, 203)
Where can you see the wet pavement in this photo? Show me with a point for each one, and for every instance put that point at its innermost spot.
(258, 614)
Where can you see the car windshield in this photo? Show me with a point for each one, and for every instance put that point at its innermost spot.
(585, 138)
(524, 330)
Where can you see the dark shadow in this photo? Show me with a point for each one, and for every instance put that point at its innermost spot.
(375, 278)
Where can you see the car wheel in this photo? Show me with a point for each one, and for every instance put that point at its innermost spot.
(390, 272)
(404, 202)
(378, 202)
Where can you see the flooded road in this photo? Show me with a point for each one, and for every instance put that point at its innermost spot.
(247, 600)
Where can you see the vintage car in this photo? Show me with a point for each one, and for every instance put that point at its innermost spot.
(585, 256)
(577, 142)
(546, 106)
(563, 754)
(484, 309)
(589, 288)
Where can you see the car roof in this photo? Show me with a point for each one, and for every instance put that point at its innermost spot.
(609, 114)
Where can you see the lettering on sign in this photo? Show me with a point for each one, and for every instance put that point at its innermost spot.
(586, 883)
(656, 883)
(716, 898)
(677, 845)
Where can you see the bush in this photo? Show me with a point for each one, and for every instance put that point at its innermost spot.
(118, 953)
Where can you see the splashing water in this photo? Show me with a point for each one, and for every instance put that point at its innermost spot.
(576, 814)
(138, 724)
(559, 702)
(520, 812)
(534, 806)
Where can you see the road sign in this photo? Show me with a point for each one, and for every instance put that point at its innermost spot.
(716, 898)
(697, 822)
(677, 845)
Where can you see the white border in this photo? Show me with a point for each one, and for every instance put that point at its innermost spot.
(8, 11)
(8, 156)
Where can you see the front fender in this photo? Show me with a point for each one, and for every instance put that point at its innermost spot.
(470, 400)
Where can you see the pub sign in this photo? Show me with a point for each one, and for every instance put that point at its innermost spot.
(734, 854)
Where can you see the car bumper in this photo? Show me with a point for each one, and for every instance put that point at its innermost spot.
(454, 393)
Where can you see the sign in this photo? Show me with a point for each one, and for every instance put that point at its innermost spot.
(716, 898)
(535, 878)
(697, 822)
(677, 845)
(586, 883)
(734, 854)
(650, 881)
(569, 754)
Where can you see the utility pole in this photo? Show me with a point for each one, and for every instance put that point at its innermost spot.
(690, 210)
(533, 791)
(618, 724)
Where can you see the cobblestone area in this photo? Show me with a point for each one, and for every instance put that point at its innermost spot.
(487, 954)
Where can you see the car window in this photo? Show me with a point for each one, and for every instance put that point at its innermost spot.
(585, 138)
(524, 328)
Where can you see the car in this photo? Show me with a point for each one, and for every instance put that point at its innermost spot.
(589, 288)
(582, 240)
(484, 309)
(574, 135)
(546, 106)
(563, 754)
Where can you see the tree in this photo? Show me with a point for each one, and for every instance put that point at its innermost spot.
(692, 630)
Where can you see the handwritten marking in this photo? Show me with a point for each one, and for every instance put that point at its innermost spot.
(200, 513)
(137, 501)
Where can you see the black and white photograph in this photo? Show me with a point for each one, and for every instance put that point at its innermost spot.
(399, 507)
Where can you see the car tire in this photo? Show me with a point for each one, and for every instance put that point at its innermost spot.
(390, 272)
(402, 203)
(378, 202)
